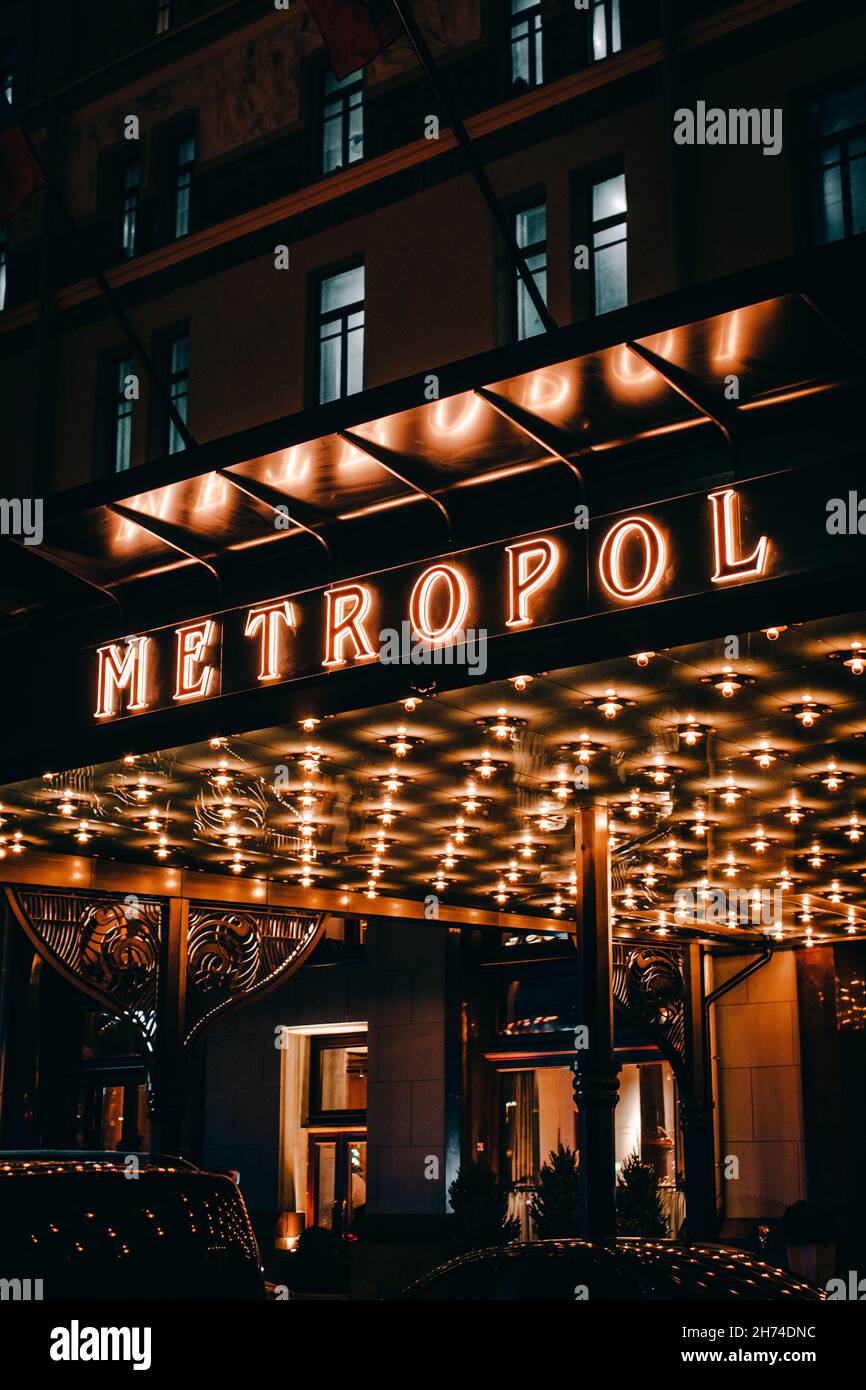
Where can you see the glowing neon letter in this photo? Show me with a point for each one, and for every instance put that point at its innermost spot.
(267, 620)
(122, 667)
(420, 602)
(194, 671)
(730, 564)
(530, 565)
(610, 558)
(345, 611)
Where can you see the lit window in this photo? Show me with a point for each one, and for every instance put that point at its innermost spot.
(343, 121)
(129, 225)
(530, 230)
(838, 129)
(606, 29)
(609, 244)
(526, 43)
(3, 246)
(341, 334)
(178, 385)
(163, 16)
(184, 161)
(121, 443)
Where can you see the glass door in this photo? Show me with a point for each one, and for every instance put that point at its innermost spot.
(338, 1180)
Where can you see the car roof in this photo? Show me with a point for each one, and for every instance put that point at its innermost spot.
(699, 1270)
(88, 1160)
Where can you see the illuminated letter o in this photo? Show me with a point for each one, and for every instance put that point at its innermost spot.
(420, 602)
(655, 551)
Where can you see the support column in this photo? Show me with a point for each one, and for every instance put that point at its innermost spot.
(596, 1082)
(170, 1086)
(696, 1106)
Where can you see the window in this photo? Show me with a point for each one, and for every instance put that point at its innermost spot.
(121, 440)
(838, 135)
(163, 16)
(184, 161)
(341, 334)
(526, 43)
(606, 29)
(178, 385)
(338, 1077)
(8, 64)
(116, 396)
(129, 220)
(343, 121)
(609, 244)
(3, 248)
(530, 230)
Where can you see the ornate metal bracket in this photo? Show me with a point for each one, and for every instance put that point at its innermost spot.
(115, 949)
(649, 986)
(234, 955)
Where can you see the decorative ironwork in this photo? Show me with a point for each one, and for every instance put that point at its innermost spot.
(233, 954)
(648, 983)
(109, 947)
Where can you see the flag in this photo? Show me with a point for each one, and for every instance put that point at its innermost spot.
(355, 31)
(20, 174)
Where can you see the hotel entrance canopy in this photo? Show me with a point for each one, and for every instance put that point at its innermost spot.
(753, 375)
(647, 483)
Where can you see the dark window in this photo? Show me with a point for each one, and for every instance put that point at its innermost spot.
(342, 121)
(527, 42)
(182, 192)
(163, 16)
(341, 334)
(609, 243)
(606, 29)
(129, 218)
(530, 230)
(178, 385)
(121, 452)
(117, 389)
(838, 137)
(8, 65)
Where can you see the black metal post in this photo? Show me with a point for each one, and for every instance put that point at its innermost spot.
(596, 1081)
(696, 1105)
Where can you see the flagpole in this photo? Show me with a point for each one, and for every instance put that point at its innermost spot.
(116, 307)
(425, 58)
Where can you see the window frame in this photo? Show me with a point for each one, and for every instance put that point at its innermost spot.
(608, 8)
(159, 425)
(340, 97)
(317, 321)
(815, 144)
(316, 1115)
(584, 300)
(528, 202)
(109, 405)
(533, 15)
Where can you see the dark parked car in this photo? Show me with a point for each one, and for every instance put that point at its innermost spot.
(111, 1225)
(630, 1268)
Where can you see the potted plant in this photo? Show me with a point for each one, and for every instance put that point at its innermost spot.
(639, 1206)
(480, 1205)
(555, 1208)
